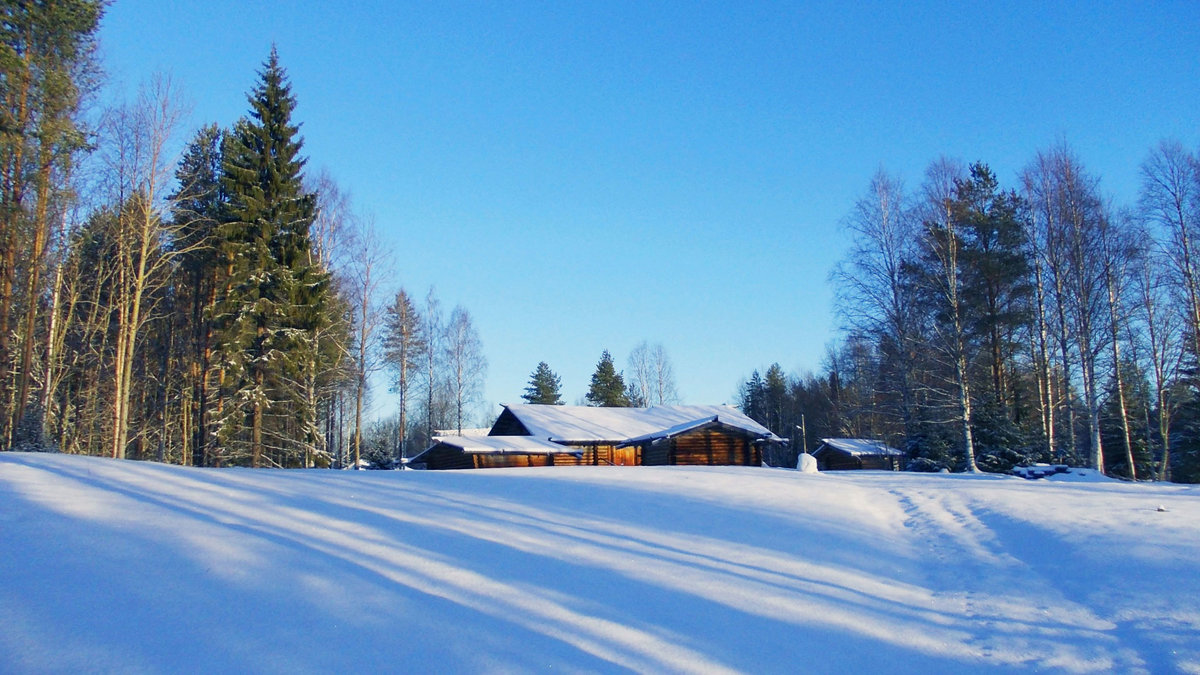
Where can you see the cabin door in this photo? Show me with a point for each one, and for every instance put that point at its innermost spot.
(624, 456)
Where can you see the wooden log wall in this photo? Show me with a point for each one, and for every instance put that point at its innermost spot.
(710, 447)
(443, 456)
(836, 461)
(502, 461)
(600, 455)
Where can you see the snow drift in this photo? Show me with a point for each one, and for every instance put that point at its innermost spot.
(125, 566)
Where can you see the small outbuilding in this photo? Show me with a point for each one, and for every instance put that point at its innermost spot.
(842, 454)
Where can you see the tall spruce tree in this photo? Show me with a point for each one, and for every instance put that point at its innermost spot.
(543, 386)
(608, 386)
(276, 297)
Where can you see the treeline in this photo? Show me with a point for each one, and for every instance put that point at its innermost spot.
(217, 311)
(987, 326)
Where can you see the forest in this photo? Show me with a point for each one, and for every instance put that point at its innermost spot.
(988, 326)
(222, 310)
(223, 306)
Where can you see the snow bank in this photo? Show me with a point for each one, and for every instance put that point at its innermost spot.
(806, 463)
(127, 566)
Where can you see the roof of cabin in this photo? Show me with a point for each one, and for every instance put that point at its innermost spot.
(859, 446)
(443, 433)
(586, 424)
(503, 445)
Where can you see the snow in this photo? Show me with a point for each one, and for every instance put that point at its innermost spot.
(486, 445)
(587, 424)
(860, 446)
(132, 567)
(806, 463)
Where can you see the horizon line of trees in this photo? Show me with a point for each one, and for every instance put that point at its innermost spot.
(987, 327)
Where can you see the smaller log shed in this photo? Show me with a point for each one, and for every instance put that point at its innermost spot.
(844, 454)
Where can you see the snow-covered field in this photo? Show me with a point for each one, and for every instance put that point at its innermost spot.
(139, 567)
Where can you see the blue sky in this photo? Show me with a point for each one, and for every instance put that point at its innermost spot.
(585, 176)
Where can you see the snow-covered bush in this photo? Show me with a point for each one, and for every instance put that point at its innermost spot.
(925, 465)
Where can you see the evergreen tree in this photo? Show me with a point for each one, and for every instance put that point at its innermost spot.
(753, 398)
(996, 270)
(199, 205)
(47, 71)
(775, 399)
(608, 386)
(276, 298)
(543, 386)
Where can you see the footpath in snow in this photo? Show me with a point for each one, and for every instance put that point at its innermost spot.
(140, 567)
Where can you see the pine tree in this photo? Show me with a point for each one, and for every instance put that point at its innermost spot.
(404, 345)
(543, 386)
(199, 205)
(753, 398)
(47, 71)
(276, 300)
(608, 386)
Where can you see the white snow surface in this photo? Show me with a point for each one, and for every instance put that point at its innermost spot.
(806, 463)
(139, 567)
(860, 446)
(499, 445)
(588, 424)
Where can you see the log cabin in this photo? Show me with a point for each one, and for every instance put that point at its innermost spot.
(529, 434)
(842, 454)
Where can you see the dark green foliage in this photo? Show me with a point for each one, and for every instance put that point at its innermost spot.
(1000, 444)
(47, 71)
(802, 409)
(276, 299)
(608, 386)
(765, 400)
(996, 269)
(1185, 433)
(199, 207)
(1137, 405)
(543, 387)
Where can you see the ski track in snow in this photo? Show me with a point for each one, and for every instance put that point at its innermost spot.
(136, 567)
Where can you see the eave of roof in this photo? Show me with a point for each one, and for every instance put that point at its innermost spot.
(584, 425)
(503, 445)
(859, 447)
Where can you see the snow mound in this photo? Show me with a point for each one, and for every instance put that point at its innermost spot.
(1078, 475)
(806, 463)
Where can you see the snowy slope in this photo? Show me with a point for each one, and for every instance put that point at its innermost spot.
(138, 567)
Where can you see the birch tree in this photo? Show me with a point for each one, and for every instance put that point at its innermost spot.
(366, 269)
(139, 161)
(651, 376)
(875, 292)
(465, 363)
(943, 247)
(1170, 201)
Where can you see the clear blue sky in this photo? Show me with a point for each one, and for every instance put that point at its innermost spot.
(584, 176)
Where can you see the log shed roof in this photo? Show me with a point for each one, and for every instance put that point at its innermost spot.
(586, 424)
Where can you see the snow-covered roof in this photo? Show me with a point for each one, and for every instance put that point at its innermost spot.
(480, 431)
(586, 424)
(859, 446)
(504, 445)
